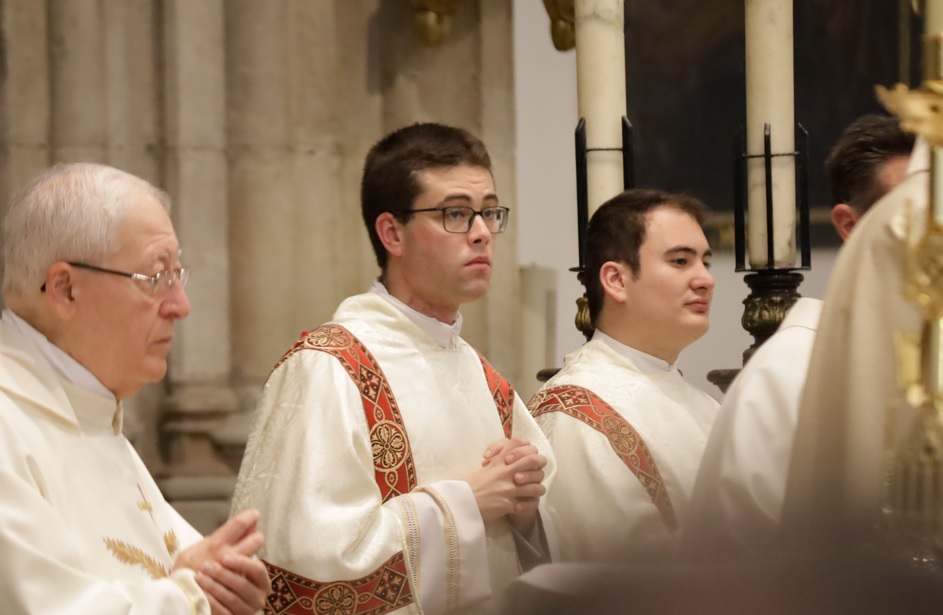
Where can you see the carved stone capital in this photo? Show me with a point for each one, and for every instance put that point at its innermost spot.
(562, 23)
(433, 19)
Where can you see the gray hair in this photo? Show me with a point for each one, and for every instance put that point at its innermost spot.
(69, 213)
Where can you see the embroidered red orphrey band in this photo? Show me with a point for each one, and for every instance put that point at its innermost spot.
(384, 590)
(503, 394)
(584, 405)
(393, 466)
(388, 587)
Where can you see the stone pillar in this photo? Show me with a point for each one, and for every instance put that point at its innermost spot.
(200, 397)
(359, 110)
(295, 214)
(503, 312)
(77, 71)
(260, 183)
(132, 93)
(330, 247)
(24, 96)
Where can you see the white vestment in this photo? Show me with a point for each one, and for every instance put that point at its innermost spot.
(738, 495)
(83, 527)
(833, 493)
(309, 467)
(600, 509)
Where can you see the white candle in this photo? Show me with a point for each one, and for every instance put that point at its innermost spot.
(600, 87)
(770, 100)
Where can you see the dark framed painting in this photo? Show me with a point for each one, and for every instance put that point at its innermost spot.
(685, 89)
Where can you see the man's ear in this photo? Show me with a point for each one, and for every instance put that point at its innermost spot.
(844, 218)
(61, 291)
(389, 230)
(612, 276)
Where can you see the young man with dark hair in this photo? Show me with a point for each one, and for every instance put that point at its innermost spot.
(738, 497)
(626, 429)
(400, 470)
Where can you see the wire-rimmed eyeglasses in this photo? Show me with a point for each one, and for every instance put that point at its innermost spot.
(157, 284)
(459, 218)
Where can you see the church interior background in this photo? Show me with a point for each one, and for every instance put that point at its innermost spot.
(256, 117)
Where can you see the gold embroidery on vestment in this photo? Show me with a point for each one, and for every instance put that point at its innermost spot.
(412, 539)
(170, 541)
(134, 556)
(451, 544)
(144, 504)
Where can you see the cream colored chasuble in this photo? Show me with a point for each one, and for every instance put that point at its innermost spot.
(309, 468)
(83, 527)
(599, 508)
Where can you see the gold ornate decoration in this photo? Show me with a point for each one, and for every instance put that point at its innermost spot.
(913, 470)
(920, 110)
(584, 323)
(771, 296)
(433, 19)
(562, 28)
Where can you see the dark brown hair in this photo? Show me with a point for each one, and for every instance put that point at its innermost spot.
(855, 162)
(390, 174)
(617, 231)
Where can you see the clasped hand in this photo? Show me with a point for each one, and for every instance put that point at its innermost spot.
(234, 581)
(508, 483)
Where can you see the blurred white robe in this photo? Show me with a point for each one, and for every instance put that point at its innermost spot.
(599, 508)
(309, 468)
(738, 496)
(83, 527)
(833, 492)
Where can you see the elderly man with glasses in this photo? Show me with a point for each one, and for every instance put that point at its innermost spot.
(395, 468)
(93, 285)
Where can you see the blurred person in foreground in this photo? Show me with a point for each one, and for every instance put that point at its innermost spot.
(738, 497)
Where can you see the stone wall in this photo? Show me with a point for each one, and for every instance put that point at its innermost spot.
(255, 117)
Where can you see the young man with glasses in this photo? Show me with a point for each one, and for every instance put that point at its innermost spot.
(93, 285)
(395, 468)
(627, 430)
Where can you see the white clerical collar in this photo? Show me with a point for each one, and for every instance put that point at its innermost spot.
(443, 334)
(68, 367)
(644, 362)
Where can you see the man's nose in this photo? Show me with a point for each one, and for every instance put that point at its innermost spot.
(479, 230)
(704, 279)
(176, 304)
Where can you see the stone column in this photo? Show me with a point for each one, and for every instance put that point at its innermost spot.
(329, 243)
(503, 311)
(24, 95)
(294, 201)
(196, 177)
(132, 92)
(260, 183)
(77, 77)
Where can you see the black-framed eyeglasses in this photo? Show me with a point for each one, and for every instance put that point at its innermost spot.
(157, 285)
(459, 218)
